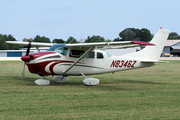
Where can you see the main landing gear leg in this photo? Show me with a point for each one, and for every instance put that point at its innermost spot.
(90, 81)
(60, 79)
(42, 81)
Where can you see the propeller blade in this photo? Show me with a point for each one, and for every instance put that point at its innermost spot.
(27, 53)
(29, 45)
(22, 74)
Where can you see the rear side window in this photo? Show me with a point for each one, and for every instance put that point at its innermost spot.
(76, 53)
(99, 55)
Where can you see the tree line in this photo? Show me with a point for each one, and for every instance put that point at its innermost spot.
(4, 46)
(173, 36)
(128, 34)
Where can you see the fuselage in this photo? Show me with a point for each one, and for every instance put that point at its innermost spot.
(95, 62)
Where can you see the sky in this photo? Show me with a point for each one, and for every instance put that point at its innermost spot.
(60, 19)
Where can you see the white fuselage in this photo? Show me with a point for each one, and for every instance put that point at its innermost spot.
(87, 66)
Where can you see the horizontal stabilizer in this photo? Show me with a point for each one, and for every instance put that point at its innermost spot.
(152, 61)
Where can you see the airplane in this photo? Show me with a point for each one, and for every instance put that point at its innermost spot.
(82, 59)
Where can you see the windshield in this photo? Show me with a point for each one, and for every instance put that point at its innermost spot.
(60, 48)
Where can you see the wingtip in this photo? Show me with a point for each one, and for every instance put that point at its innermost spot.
(142, 43)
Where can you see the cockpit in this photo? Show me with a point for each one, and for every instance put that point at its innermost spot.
(60, 48)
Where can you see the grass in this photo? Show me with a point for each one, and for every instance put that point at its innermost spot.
(147, 93)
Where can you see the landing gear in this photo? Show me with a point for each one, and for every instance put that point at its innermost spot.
(42, 81)
(90, 81)
(60, 79)
(63, 79)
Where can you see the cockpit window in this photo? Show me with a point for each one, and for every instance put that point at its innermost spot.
(60, 48)
(53, 47)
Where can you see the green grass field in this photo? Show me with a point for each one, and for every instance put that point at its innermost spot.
(147, 93)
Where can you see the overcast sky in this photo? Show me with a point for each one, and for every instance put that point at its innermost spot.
(81, 18)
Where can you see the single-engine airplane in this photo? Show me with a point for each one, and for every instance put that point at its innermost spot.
(83, 59)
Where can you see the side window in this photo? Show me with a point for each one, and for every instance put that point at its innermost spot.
(76, 53)
(99, 55)
(90, 55)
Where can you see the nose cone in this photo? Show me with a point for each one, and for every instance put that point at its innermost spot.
(25, 58)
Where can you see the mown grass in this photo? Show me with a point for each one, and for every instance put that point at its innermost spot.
(147, 93)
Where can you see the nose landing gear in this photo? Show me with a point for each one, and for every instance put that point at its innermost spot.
(42, 81)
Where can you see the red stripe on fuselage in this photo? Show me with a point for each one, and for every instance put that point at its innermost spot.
(57, 62)
(36, 55)
(39, 68)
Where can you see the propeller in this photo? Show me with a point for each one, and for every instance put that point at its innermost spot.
(27, 53)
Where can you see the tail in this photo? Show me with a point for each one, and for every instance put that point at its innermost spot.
(152, 52)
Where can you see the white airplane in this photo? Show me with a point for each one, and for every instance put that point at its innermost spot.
(83, 59)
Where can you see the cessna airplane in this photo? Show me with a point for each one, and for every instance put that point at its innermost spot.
(83, 59)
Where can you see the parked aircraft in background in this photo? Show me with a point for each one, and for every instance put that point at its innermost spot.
(83, 59)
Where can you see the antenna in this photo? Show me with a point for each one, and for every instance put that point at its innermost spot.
(82, 40)
(71, 41)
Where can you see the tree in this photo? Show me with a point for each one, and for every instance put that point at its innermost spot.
(138, 34)
(71, 40)
(127, 35)
(11, 38)
(94, 39)
(173, 35)
(117, 39)
(25, 40)
(130, 34)
(108, 40)
(58, 41)
(3, 45)
(41, 39)
(145, 35)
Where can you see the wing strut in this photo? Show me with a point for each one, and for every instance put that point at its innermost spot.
(64, 72)
(37, 49)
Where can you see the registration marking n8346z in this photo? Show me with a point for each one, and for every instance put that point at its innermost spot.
(123, 63)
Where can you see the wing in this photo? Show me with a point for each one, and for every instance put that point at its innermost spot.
(99, 45)
(111, 45)
(37, 44)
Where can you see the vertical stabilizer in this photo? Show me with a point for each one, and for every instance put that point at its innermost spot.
(152, 52)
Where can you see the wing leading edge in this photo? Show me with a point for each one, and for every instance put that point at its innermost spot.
(98, 45)
(111, 45)
(37, 44)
